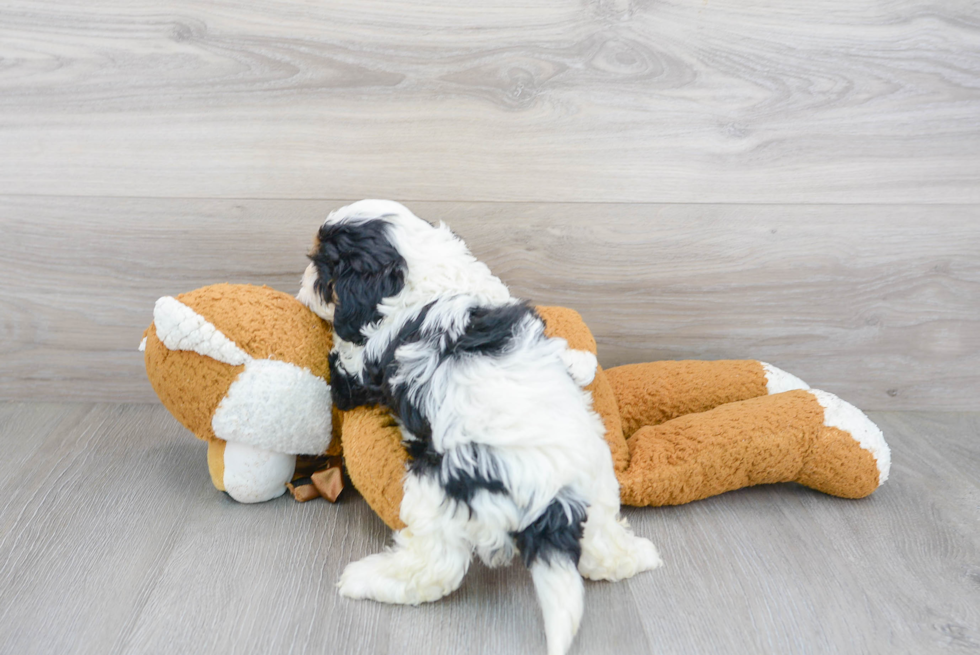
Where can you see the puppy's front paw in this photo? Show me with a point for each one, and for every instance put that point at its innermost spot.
(581, 366)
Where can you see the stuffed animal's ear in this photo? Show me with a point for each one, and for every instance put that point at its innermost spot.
(363, 268)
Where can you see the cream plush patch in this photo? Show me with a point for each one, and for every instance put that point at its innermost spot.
(276, 406)
(253, 475)
(181, 328)
(778, 380)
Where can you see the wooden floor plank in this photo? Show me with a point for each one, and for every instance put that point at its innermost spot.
(794, 571)
(622, 101)
(948, 454)
(28, 458)
(124, 547)
(93, 526)
(35, 421)
(878, 304)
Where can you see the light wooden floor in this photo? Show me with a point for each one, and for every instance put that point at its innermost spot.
(112, 540)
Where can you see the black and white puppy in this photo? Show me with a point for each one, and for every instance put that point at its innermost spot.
(506, 453)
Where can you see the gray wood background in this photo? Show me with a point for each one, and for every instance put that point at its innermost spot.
(797, 182)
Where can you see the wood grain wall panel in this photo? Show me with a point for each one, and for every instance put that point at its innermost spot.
(879, 304)
(674, 101)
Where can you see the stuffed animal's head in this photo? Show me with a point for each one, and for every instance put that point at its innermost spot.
(245, 366)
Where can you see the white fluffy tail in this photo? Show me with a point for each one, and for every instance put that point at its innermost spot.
(561, 596)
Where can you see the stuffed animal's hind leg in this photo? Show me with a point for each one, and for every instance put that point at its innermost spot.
(806, 436)
(655, 392)
(429, 558)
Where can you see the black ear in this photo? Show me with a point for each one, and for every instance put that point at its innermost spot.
(363, 268)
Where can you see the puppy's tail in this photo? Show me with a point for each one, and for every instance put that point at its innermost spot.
(551, 547)
(560, 594)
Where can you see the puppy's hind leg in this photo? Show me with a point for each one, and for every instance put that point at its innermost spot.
(429, 558)
(610, 550)
(550, 549)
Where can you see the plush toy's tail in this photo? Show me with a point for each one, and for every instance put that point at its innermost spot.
(805, 436)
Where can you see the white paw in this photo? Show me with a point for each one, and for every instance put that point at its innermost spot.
(388, 578)
(581, 365)
(647, 555)
(620, 561)
(360, 579)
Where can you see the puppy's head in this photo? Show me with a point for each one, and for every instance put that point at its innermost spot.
(355, 264)
(374, 250)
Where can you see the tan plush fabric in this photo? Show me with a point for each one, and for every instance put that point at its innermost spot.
(336, 447)
(837, 465)
(677, 431)
(778, 438)
(696, 429)
(375, 458)
(216, 462)
(188, 384)
(263, 322)
(605, 404)
(567, 324)
(652, 393)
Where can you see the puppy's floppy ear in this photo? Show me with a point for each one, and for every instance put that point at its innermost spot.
(364, 268)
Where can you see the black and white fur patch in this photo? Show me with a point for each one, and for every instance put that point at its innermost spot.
(505, 451)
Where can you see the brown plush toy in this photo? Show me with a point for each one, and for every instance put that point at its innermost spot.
(245, 368)
(679, 431)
